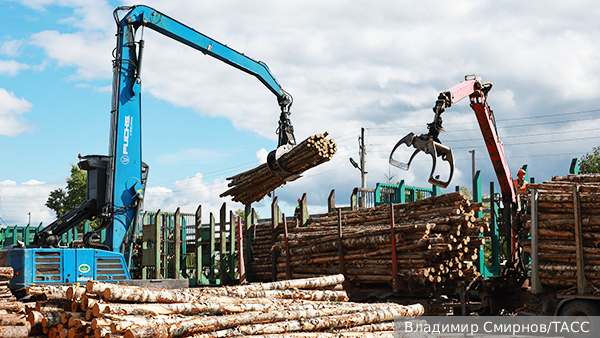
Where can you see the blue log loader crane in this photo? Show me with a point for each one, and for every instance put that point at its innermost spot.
(116, 182)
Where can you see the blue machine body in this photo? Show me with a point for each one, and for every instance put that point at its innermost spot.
(64, 266)
(116, 183)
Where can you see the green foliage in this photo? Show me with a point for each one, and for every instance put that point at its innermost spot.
(468, 193)
(590, 162)
(64, 200)
(241, 213)
(389, 178)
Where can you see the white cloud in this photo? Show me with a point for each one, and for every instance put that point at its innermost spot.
(18, 200)
(188, 194)
(89, 53)
(11, 67)
(350, 65)
(11, 124)
(261, 155)
(11, 47)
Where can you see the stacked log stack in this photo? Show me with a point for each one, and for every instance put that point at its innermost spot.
(12, 313)
(557, 209)
(253, 185)
(433, 239)
(302, 308)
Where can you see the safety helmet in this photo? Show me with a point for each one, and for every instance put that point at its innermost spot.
(300, 200)
(521, 171)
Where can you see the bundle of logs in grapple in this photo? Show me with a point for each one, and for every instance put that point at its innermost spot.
(559, 201)
(315, 307)
(433, 239)
(253, 185)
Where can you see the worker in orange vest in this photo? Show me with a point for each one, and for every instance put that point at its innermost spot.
(521, 187)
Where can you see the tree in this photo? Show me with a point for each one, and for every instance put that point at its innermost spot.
(389, 177)
(241, 213)
(64, 200)
(590, 162)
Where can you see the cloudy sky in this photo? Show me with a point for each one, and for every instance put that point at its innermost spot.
(348, 64)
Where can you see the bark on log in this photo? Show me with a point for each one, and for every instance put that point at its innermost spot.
(203, 324)
(14, 331)
(325, 323)
(6, 272)
(50, 292)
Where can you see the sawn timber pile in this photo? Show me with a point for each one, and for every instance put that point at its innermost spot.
(433, 239)
(315, 307)
(559, 200)
(253, 185)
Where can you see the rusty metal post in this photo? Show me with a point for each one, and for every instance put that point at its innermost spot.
(177, 246)
(211, 246)
(223, 246)
(158, 244)
(340, 244)
(331, 201)
(288, 267)
(248, 240)
(536, 284)
(274, 235)
(232, 237)
(394, 256)
(198, 226)
(303, 211)
(242, 266)
(581, 281)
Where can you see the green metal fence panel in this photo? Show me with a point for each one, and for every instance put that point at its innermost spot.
(574, 168)
(386, 193)
(11, 234)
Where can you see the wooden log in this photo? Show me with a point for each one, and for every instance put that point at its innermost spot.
(147, 295)
(21, 331)
(49, 291)
(326, 323)
(13, 306)
(6, 272)
(51, 318)
(584, 178)
(75, 292)
(203, 324)
(35, 320)
(12, 319)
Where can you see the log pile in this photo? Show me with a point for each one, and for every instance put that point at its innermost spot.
(6, 274)
(557, 209)
(12, 313)
(303, 308)
(253, 185)
(433, 237)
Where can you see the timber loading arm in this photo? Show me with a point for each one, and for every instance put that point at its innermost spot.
(429, 143)
(116, 182)
(116, 199)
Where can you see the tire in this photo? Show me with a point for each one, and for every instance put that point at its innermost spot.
(580, 307)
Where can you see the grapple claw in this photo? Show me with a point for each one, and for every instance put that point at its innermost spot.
(275, 165)
(426, 144)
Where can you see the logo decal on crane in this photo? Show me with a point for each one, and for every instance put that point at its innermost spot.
(126, 133)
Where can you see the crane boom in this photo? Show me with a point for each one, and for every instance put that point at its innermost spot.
(429, 143)
(125, 149)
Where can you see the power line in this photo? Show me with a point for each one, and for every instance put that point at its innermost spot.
(513, 136)
(500, 120)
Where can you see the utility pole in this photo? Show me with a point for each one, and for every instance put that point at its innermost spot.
(473, 171)
(363, 159)
(363, 165)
